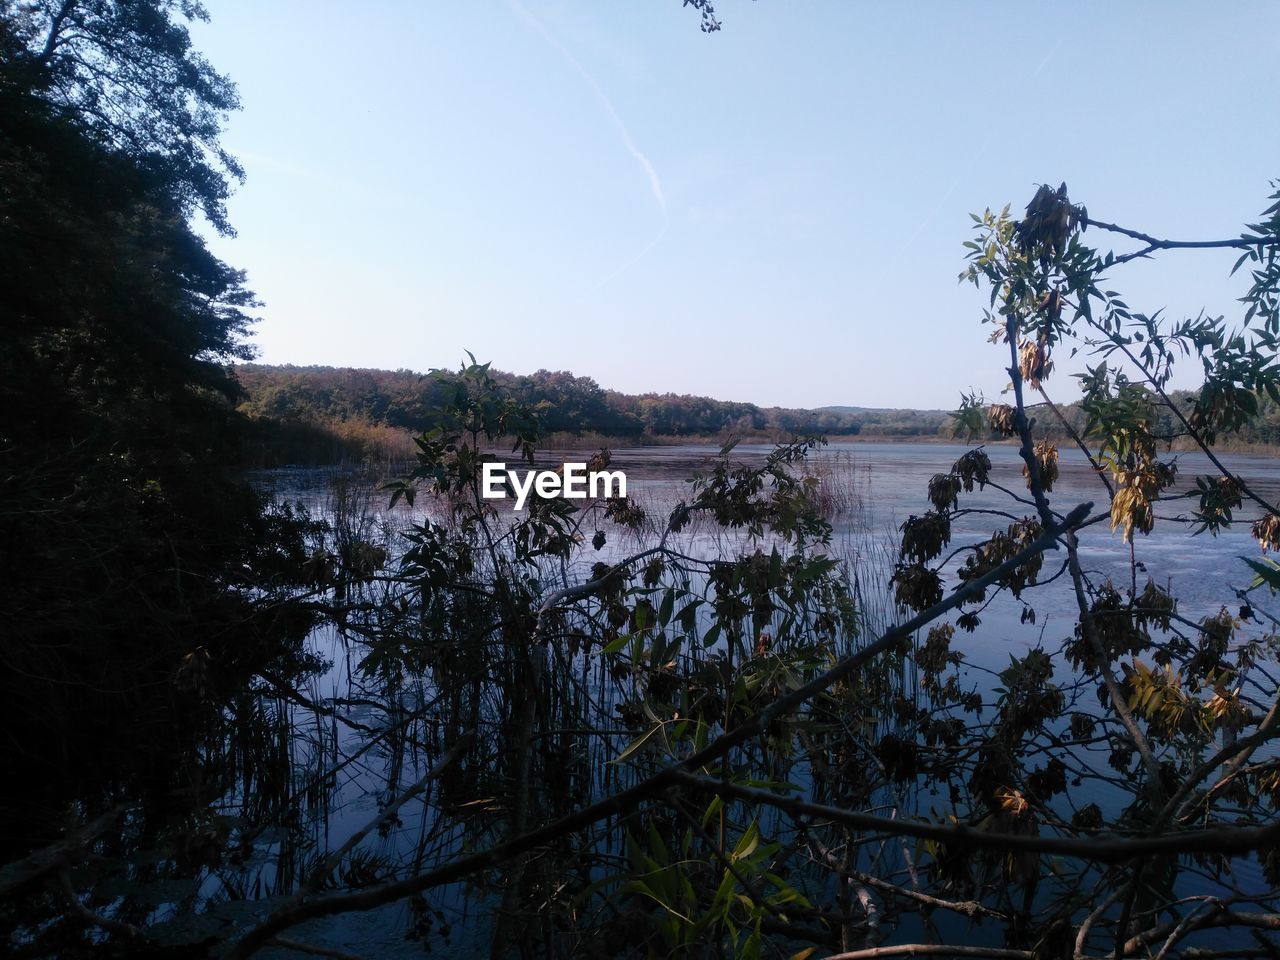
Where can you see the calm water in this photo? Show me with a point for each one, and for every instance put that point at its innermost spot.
(890, 481)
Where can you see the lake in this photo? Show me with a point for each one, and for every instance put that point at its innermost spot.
(877, 486)
(890, 482)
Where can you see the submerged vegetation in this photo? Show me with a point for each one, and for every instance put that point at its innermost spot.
(599, 728)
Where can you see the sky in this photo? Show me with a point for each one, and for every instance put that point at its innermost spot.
(771, 213)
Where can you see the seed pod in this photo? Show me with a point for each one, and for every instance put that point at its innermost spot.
(973, 467)
(1034, 363)
(1051, 305)
(1001, 418)
(1046, 455)
(924, 537)
(1267, 532)
(944, 489)
(916, 587)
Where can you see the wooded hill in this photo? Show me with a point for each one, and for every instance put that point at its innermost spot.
(315, 414)
(316, 411)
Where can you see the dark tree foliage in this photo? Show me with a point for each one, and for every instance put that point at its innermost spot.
(130, 548)
(125, 72)
(708, 11)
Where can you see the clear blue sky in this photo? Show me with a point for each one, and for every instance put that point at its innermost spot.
(771, 213)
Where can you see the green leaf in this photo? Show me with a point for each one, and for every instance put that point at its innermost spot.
(616, 644)
(717, 802)
(636, 744)
(688, 615)
(664, 610)
(1268, 572)
(711, 636)
(747, 843)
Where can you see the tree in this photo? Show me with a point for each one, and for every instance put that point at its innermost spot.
(125, 73)
(143, 576)
(766, 739)
(628, 744)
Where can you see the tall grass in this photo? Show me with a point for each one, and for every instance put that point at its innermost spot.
(306, 443)
(408, 670)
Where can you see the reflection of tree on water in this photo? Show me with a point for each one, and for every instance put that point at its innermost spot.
(732, 677)
(514, 706)
(452, 657)
(606, 730)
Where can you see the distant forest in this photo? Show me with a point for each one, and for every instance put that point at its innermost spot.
(315, 415)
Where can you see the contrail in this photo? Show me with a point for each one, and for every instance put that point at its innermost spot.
(655, 183)
(636, 259)
(1047, 57)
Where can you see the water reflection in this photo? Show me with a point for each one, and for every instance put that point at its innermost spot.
(360, 775)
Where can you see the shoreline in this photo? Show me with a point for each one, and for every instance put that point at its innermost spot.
(384, 446)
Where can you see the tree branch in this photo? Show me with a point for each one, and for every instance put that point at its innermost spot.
(1102, 848)
(625, 800)
(933, 950)
(1154, 243)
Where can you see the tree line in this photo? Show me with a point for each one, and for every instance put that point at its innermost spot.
(648, 751)
(320, 414)
(345, 411)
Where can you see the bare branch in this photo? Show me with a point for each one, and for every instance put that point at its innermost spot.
(933, 950)
(1101, 848)
(314, 950)
(21, 872)
(1153, 243)
(87, 915)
